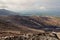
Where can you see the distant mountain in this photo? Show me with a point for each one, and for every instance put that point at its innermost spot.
(41, 13)
(7, 12)
(30, 13)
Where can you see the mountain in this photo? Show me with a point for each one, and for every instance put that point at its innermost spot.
(17, 22)
(30, 13)
(7, 12)
(18, 27)
(41, 12)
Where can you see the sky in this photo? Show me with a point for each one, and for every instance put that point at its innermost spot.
(17, 5)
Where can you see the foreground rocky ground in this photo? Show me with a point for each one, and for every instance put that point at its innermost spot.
(43, 36)
(40, 36)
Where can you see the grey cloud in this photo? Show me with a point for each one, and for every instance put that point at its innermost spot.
(29, 4)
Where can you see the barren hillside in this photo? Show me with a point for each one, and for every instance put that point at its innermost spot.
(17, 25)
(17, 22)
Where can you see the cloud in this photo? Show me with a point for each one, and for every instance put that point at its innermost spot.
(17, 4)
(28, 4)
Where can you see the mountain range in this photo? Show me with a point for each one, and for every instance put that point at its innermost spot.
(34, 22)
(7, 12)
(40, 13)
(30, 13)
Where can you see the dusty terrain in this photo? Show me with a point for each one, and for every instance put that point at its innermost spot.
(17, 27)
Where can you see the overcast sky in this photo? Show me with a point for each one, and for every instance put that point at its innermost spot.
(30, 4)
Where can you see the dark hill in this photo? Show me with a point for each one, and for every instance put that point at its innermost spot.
(34, 22)
(7, 12)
